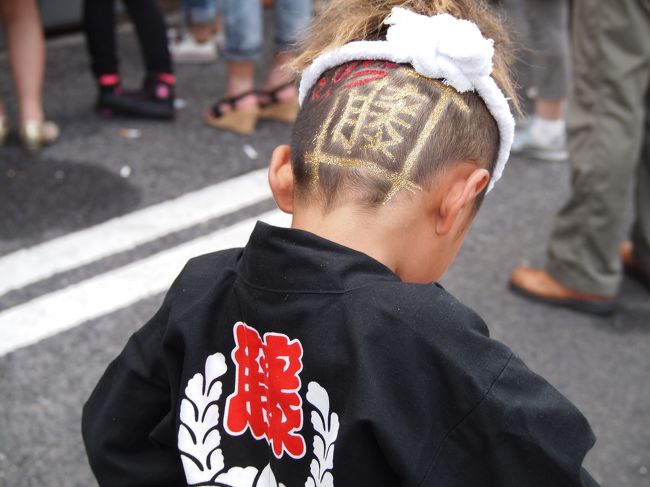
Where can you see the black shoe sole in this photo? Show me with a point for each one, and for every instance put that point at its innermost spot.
(137, 108)
(598, 308)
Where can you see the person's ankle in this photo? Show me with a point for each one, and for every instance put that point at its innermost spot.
(161, 85)
(201, 33)
(109, 83)
(248, 101)
(31, 112)
(164, 77)
(285, 93)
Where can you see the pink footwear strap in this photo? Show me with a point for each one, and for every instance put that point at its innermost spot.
(109, 79)
(168, 78)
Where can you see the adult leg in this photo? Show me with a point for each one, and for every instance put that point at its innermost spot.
(26, 49)
(238, 110)
(641, 227)
(545, 138)
(200, 16)
(291, 20)
(99, 26)
(611, 52)
(243, 26)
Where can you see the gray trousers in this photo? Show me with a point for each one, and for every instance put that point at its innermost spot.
(608, 134)
(540, 29)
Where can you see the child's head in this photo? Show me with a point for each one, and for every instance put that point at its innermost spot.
(377, 140)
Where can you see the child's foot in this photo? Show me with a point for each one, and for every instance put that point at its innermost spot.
(154, 100)
(110, 93)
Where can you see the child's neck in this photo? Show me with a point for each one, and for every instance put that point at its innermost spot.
(385, 234)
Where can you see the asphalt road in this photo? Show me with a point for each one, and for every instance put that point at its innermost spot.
(602, 364)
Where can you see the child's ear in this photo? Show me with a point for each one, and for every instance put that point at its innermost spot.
(281, 178)
(465, 184)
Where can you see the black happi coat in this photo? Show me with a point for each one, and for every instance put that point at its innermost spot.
(298, 362)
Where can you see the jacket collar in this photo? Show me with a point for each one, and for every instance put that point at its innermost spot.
(286, 259)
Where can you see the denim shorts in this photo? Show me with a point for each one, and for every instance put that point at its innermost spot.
(244, 26)
(199, 12)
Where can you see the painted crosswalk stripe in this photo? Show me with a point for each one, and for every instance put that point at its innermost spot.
(76, 249)
(67, 308)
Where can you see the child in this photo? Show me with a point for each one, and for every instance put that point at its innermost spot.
(322, 354)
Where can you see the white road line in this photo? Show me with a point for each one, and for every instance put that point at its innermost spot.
(33, 264)
(67, 308)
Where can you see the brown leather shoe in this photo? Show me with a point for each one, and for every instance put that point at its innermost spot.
(631, 266)
(538, 285)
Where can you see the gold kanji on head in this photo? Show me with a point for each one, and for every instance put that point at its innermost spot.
(372, 125)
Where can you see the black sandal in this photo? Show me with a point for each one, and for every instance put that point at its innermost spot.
(239, 120)
(285, 111)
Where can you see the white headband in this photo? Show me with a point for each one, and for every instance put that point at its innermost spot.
(438, 47)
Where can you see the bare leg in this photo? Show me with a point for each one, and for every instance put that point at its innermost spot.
(240, 80)
(26, 48)
(201, 32)
(279, 75)
(549, 109)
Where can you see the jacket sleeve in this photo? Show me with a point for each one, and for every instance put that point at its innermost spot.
(131, 400)
(523, 432)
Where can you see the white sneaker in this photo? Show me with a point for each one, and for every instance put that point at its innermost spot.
(187, 50)
(537, 141)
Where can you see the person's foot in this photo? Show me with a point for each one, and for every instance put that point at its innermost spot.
(4, 126)
(35, 134)
(236, 113)
(154, 100)
(285, 92)
(541, 139)
(280, 103)
(539, 286)
(631, 266)
(188, 50)
(110, 94)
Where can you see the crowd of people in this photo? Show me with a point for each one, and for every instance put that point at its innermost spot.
(237, 109)
(604, 139)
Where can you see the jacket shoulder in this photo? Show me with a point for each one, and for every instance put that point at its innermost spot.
(201, 276)
(448, 335)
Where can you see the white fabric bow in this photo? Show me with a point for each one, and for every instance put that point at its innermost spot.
(438, 47)
(441, 47)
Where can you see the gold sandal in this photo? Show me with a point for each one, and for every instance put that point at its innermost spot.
(4, 128)
(238, 120)
(35, 135)
(285, 111)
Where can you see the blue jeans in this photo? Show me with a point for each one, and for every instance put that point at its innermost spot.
(244, 26)
(199, 12)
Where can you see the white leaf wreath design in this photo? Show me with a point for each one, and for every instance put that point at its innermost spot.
(199, 439)
(327, 429)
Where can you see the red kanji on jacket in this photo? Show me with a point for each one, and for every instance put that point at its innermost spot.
(266, 398)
